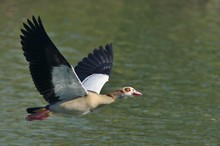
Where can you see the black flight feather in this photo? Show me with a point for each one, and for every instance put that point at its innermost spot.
(99, 62)
(42, 56)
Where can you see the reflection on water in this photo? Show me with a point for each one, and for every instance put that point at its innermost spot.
(169, 50)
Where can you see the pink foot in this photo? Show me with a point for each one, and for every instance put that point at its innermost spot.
(41, 115)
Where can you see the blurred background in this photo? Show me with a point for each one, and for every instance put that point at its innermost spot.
(169, 50)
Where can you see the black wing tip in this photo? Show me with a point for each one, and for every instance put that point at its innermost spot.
(109, 48)
(33, 20)
(34, 17)
(32, 26)
(108, 45)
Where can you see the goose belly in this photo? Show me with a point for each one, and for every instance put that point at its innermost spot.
(75, 106)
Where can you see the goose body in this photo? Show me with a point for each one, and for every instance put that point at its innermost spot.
(67, 89)
(83, 105)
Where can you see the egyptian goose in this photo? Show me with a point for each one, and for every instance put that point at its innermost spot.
(67, 89)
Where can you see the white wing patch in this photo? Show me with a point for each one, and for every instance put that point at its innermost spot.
(66, 83)
(95, 82)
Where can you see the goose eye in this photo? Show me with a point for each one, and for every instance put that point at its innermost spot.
(127, 89)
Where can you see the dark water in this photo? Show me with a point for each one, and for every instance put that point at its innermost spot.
(169, 50)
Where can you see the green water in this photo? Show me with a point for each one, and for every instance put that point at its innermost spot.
(167, 49)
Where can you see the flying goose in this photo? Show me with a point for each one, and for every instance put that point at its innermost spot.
(67, 89)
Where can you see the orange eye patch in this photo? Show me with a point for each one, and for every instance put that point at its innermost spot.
(127, 89)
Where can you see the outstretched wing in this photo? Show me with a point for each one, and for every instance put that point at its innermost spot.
(94, 70)
(53, 76)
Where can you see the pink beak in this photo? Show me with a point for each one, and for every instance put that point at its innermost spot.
(136, 93)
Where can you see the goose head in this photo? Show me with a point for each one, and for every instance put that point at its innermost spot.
(125, 92)
(130, 92)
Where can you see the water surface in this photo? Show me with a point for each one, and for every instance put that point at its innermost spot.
(169, 50)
